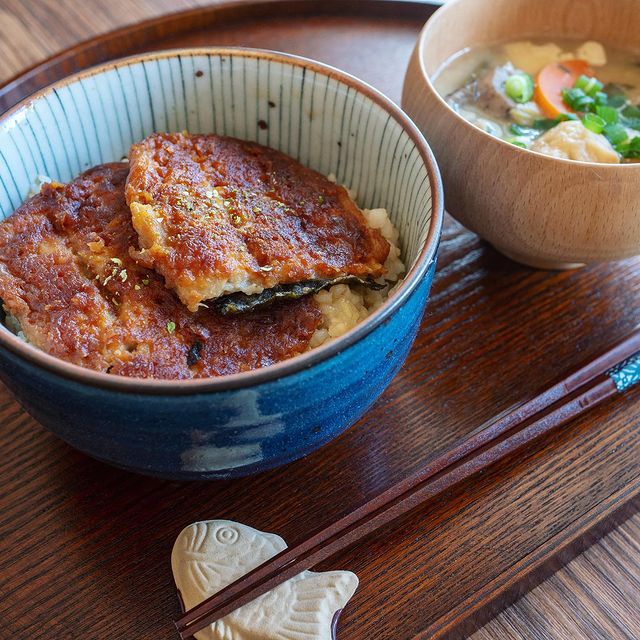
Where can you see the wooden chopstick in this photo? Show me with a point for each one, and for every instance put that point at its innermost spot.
(587, 387)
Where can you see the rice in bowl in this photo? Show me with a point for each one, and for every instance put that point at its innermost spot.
(119, 315)
(343, 306)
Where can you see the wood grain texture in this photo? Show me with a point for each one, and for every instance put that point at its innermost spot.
(583, 212)
(31, 31)
(488, 444)
(357, 34)
(594, 596)
(84, 544)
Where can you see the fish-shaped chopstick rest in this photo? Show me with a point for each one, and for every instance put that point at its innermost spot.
(208, 556)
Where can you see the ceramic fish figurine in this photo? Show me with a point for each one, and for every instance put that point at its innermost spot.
(208, 556)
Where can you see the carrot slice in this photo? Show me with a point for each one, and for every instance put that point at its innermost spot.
(553, 79)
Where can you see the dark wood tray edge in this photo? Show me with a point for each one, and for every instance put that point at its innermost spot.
(536, 567)
(138, 37)
(555, 552)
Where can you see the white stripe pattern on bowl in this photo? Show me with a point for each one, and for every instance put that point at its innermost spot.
(321, 121)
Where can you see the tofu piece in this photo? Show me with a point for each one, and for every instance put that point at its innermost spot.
(593, 52)
(571, 140)
(217, 215)
(530, 57)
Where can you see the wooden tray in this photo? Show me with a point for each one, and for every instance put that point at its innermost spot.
(84, 548)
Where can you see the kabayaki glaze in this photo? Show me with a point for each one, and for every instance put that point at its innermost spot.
(217, 215)
(69, 276)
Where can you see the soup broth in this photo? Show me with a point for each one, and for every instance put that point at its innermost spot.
(517, 91)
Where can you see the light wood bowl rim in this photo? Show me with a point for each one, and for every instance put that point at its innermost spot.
(506, 147)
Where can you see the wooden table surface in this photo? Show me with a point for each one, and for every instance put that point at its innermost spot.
(597, 594)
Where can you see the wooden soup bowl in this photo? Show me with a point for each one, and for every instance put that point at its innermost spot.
(542, 211)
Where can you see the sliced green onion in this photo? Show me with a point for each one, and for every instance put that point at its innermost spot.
(631, 149)
(615, 133)
(545, 124)
(631, 111)
(632, 123)
(631, 116)
(594, 123)
(582, 82)
(601, 98)
(519, 87)
(517, 130)
(590, 86)
(617, 101)
(608, 114)
(634, 147)
(577, 99)
(615, 92)
(518, 141)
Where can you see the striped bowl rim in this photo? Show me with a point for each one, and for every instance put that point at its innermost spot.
(152, 386)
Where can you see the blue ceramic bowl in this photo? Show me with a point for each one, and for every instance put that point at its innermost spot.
(244, 423)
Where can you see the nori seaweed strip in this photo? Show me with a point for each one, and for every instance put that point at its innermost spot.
(193, 355)
(241, 302)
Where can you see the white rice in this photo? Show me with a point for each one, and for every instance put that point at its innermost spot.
(343, 306)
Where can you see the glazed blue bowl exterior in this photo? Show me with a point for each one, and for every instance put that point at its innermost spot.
(243, 423)
(228, 433)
